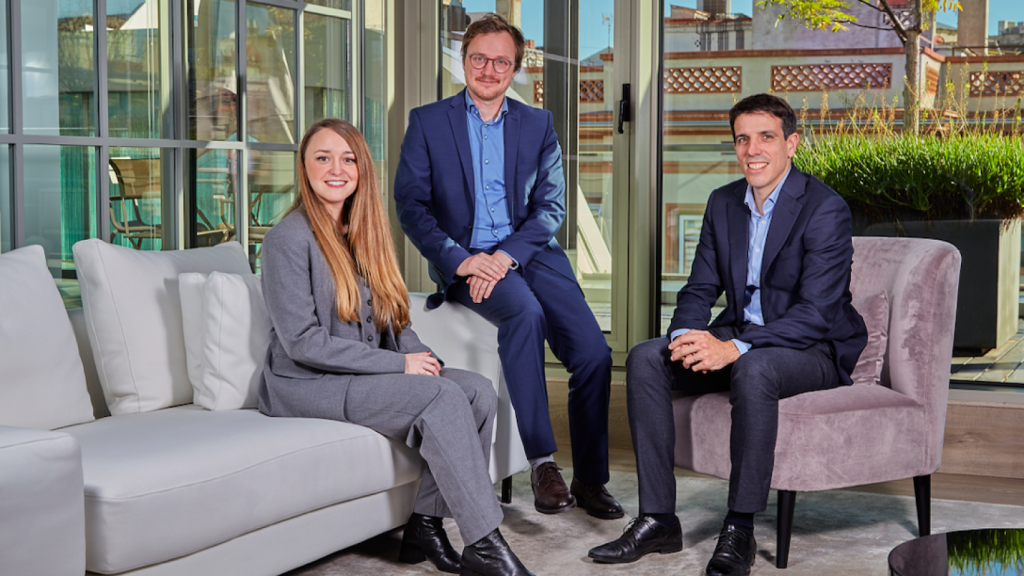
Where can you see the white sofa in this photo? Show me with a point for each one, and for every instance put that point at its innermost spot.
(165, 486)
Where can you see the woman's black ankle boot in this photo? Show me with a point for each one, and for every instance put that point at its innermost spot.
(491, 556)
(425, 539)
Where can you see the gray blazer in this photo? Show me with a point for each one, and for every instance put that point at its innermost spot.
(313, 355)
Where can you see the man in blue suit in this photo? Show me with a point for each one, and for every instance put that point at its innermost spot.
(778, 244)
(480, 192)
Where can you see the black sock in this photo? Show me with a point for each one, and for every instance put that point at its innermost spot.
(742, 520)
(664, 519)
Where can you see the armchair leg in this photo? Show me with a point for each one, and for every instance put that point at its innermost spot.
(787, 503)
(506, 490)
(923, 495)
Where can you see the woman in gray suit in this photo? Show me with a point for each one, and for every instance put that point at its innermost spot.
(342, 348)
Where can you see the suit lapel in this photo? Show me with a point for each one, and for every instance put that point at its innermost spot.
(460, 131)
(511, 130)
(739, 230)
(787, 207)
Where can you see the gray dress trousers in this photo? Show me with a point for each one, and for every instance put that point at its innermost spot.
(320, 367)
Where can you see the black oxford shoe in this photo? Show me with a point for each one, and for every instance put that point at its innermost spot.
(642, 535)
(595, 499)
(734, 553)
(425, 539)
(491, 556)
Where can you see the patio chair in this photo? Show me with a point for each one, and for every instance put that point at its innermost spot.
(863, 433)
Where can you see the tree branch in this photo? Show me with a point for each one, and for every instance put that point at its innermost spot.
(897, 26)
(872, 27)
(870, 5)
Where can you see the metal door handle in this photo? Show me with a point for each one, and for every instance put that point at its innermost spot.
(624, 108)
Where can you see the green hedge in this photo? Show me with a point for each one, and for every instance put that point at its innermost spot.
(928, 177)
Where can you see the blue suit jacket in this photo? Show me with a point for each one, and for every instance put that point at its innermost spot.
(434, 187)
(805, 271)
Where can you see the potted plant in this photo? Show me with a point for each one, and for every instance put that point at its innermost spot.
(959, 182)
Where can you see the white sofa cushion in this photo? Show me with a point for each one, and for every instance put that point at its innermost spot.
(226, 357)
(41, 513)
(169, 483)
(133, 314)
(43, 382)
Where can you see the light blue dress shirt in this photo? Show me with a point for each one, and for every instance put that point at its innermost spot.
(757, 235)
(491, 223)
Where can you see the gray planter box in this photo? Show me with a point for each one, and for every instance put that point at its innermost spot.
(987, 302)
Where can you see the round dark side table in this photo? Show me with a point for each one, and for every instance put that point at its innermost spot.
(992, 552)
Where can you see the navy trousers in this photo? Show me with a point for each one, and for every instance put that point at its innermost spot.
(532, 304)
(756, 382)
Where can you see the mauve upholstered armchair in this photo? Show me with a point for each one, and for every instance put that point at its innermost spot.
(863, 433)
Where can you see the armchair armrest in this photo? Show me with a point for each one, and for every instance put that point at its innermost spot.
(42, 508)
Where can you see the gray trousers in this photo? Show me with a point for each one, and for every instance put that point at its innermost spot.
(449, 419)
(755, 382)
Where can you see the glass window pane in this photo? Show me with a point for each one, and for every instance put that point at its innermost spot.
(5, 86)
(58, 68)
(134, 71)
(211, 201)
(6, 240)
(375, 85)
(271, 193)
(270, 87)
(337, 4)
(136, 193)
(326, 45)
(60, 207)
(211, 70)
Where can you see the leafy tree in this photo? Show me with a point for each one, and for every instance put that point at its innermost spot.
(835, 15)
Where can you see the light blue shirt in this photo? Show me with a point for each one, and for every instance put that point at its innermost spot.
(491, 224)
(757, 235)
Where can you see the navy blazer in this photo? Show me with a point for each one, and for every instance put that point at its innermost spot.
(805, 271)
(434, 187)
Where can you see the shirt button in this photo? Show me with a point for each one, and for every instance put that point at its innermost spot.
(485, 137)
(369, 338)
(487, 187)
(492, 209)
(369, 319)
(757, 249)
(369, 302)
(487, 161)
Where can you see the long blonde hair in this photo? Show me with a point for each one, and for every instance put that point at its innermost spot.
(366, 249)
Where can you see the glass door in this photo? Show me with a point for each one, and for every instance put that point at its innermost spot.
(575, 66)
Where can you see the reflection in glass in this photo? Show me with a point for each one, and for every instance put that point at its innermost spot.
(6, 240)
(336, 4)
(133, 72)
(327, 71)
(211, 200)
(135, 198)
(271, 193)
(374, 85)
(212, 80)
(60, 207)
(270, 88)
(58, 69)
(4, 72)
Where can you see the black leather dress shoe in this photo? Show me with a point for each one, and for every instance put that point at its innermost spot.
(595, 499)
(425, 539)
(550, 494)
(491, 556)
(734, 553)
(642, 535)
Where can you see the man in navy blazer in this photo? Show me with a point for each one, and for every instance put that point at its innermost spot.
(778, 244)
(480, 191)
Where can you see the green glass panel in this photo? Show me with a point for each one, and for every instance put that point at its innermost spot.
(375, 84)
(212, 81)
(271, 193)
(134, 71)
(137, 189)
(327, 55)
(58, 65)
(336, 4)
(211, 199)
(270, 86)
(60, 207)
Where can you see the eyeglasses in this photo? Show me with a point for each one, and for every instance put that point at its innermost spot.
(479, 62)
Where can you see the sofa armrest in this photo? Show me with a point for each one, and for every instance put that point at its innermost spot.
(42, 507)
(463, 339)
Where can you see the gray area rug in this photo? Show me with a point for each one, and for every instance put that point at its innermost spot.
(836, 533)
